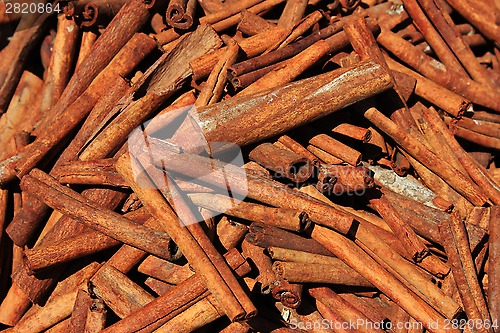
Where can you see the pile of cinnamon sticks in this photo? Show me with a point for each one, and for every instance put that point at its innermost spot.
(250, 166)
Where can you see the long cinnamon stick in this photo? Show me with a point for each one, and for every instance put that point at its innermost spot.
(198, 258)
(419, 151)
(284, 218)
(75, 205)
(173, 301)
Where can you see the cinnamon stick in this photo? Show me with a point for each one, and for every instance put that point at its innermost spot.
(493, 271)
(434, 70)
(165, 271)
(173, 301)
(119, 293)
(283, 162)
(230, 232)
(335, 272)
(185, 240)
(46, 188)
(279, 217)
(417, 249)
(417, 150)
(266, 236)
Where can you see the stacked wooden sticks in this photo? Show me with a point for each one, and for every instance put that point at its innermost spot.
(250, 166)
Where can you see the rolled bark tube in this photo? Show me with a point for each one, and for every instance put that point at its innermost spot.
(493, 264)
(336, 148)
(358, 133)
(189, 237)
(93, 12)
(66, 121)
(174, 301)
(235, 19)
(78, 246)
(454, 104)
(357, 259)
(339, 273)
(486, 116)
(324, 156)
(180, 13)
(346, 311)
(98, 172)
(432, 36)
(266, 277)
(298, 30)
(261, 189)
(288, 255)
(14, 306)
(435, 71)
(28, 32)
(286, 71)
(432, 161)
(292, 14)
(90, 213)
(123, 26)
(120, 293)
(57, 309)
(62, 226)
(159, 287)
(251, 24)
(244, 80)
(96, 317)
(289, 219)
(414, 245)
(349, 179)
(79, 313)
(198, 315)
(334, 318)
(165, 271)
(462, 275)
(372, 312)
(213, 88)
(230, 232)
(473, 12)
(289, 294)
(282, 162)
(475, 171)
(128, 257)
(229, 10)
(477, 138)
(299, 102)
(298, 149)
(133, 111)
(286, 52)
(436, 139)
(485, 128)
(453, 38)
(265, 236)
(61, 61)
(326, 181)
(251, 46)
